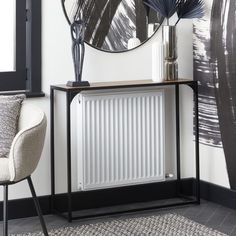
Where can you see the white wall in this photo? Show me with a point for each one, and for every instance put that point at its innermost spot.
(99, 66)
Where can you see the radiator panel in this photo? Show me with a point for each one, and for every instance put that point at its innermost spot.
(123, 139)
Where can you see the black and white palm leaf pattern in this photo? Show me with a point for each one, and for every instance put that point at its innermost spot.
(188, 9)
(166, 8)
(111, 23)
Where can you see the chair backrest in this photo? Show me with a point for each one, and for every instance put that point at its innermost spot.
(30, 116)
(28, 144)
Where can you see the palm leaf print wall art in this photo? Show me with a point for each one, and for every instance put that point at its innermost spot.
(215, 68)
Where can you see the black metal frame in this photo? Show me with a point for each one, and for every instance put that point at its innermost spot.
(27, 77)
(72, 92)
(5, 205)
(15, 80)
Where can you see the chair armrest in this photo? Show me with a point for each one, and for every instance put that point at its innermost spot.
(26, 150)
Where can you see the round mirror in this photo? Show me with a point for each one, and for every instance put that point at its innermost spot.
(113, 25)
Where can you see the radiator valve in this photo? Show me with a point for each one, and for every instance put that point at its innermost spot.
(169, 176)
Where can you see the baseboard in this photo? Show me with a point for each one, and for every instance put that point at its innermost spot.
(21, 208)
(217, 194)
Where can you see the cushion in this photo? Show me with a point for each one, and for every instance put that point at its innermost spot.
(5, 172)
(9, 114)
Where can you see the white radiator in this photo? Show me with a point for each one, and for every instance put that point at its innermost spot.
(122, 139)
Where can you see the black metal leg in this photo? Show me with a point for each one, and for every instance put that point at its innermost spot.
(68, 120)
(37, 206)
(197, 143)
(52, 149)
(177, 139)
(194, 86)
(5, 210)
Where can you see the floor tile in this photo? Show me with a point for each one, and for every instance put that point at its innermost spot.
(208, 213)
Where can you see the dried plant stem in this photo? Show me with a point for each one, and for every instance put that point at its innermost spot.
(177, 21)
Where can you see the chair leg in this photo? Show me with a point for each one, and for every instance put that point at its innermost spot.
(5, 210)
(37, 206)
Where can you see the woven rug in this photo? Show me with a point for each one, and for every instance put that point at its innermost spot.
(163, 225)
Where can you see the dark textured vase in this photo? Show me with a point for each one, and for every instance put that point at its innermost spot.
(78, 50)
(223, 54)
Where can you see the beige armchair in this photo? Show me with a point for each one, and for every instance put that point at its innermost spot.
(24, 156)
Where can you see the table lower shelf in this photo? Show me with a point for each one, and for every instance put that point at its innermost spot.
(129, 208)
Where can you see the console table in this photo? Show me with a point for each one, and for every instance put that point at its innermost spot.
(71, 92)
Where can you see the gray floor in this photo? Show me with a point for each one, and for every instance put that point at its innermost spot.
(208, 213)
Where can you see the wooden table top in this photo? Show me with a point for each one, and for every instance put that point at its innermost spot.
(121, 84)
